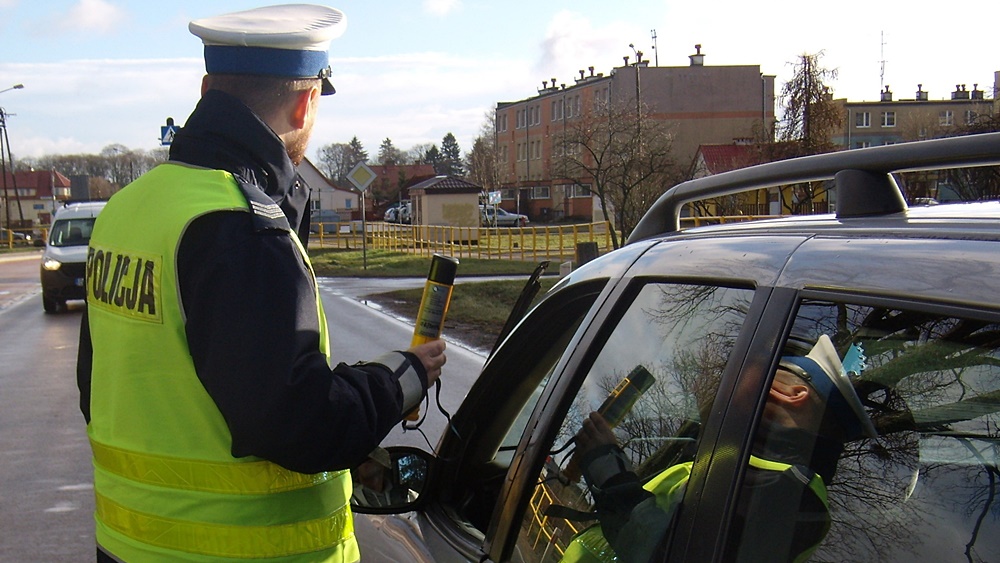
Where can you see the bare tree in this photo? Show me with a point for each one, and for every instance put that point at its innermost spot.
(625, 155)
(332, 160)
(483, 161)
(809, 119)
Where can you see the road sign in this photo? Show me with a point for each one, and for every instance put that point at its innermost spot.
(167, 132)
(361, 176)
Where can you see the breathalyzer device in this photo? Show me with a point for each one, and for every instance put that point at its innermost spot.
(434, 306)
(625, 394)
(435, 300)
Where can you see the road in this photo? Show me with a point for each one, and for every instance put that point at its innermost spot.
(46, 493)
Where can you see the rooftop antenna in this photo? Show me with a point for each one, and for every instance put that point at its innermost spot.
(656, 53)
(881, 75)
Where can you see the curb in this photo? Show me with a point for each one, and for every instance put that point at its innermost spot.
(15, 256)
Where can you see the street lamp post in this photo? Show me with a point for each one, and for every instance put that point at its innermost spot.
(3, 159)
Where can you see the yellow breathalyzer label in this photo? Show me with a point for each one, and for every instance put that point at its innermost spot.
(433, 309)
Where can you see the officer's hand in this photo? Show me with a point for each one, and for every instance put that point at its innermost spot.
(431, 354)
(595, 432)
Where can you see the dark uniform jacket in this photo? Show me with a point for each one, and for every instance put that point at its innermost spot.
(250, 306)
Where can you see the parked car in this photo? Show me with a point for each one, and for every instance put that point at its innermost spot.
(396, 212)
(492, 216)
(391, 215)
(894, 456)
(326, 219)
(18, 238)
(405, 214)
(65, 257)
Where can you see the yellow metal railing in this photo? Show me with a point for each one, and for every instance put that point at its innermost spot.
(546, 242)
(552, 533)
(534, 243)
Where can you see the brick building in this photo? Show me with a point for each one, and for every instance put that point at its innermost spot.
(702, 105)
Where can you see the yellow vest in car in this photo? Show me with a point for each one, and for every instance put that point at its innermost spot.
(590, 545)
(167, 487)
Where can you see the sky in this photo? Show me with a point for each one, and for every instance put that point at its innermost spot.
(102, 72)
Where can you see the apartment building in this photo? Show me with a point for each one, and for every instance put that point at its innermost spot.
(890, 120)
(701, 104)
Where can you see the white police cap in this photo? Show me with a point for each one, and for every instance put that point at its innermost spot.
(290, 40)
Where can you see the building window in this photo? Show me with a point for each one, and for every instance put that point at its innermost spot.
(888, 119)
(862, 144)
(579, 190)
(572, 106)
(537, 153)
(557, 110)
(970, 117)
(502, 122)
(508, 193)
(540, 192)
(946, 118)
(520, 119)
(862, 119)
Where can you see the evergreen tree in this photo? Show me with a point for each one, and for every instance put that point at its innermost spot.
(388, 154)
(451, 157)
(355, 153)
(433, 157)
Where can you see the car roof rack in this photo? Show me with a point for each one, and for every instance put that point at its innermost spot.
(864, 182)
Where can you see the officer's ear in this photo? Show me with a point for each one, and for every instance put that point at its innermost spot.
(788, 390)
(306, 102)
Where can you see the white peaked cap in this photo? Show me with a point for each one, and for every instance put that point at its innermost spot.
(288, 40)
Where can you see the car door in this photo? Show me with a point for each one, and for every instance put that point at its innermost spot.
(688, 322)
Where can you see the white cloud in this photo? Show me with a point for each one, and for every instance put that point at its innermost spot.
(441, 7)
(92, 16)
(572, 42)
(81, 106)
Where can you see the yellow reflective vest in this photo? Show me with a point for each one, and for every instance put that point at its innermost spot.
(167, 487)
(590, 545)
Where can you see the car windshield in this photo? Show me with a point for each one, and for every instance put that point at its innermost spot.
(72, 232)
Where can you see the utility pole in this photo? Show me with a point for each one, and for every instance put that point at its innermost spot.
(5, 159)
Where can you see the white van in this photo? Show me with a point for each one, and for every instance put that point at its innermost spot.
(65, 259)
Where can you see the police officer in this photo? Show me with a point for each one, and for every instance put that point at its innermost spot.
(218, 429)
(811, 411)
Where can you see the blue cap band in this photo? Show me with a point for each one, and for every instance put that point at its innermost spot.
(827, 389)
(229, 59)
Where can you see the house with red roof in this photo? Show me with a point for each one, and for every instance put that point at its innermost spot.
(30, 197)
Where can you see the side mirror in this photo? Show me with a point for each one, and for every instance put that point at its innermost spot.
(392, 483)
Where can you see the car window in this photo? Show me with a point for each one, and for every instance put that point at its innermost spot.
(925, 487)
(72, 232)
(661, 363)
(498, 406)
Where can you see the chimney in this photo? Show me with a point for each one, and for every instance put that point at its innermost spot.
(977, 94)
(591, 69)
(960, 93)
(697, 59)
(921, 95)
(887, 94)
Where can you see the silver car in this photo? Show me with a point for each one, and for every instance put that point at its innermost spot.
(822, 388)
(493, 216)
